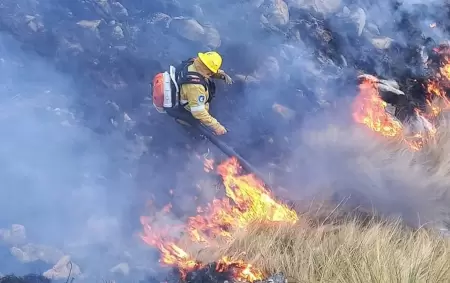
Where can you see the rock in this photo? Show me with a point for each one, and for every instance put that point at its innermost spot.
(373, 29)
(389, 89)
(299, 4)
(359, 18)
(256, 3)
(121, 268)
(188, 28)
(14, 236)
(93, 25)
(102, 8)
(246, 79)
(346, 11)
(31, 252)
(211, 37)
(119, 10)
(161, 18)
(276, 12)
(33, 23)
(63, 269)
(287, 52)
(197, 11)
(383, 42)
(418, 126)
(118, 33)
(73, 48)
(284, 111)
(327, 7)
(269, 69)
(22, 256)
(444, 231)
(343, 61)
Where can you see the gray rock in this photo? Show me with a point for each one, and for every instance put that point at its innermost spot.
(389, 88)
(284, 111)
(372, 28)
(160, 17)
(92, 25)
(326, 7)
(122, 268)
(197, 11)
(211, 37)
(74, 48)
(269, 69)
(382, 42)
(34, 23)
(287, 51)
(256, 3)
(119, 10)
(117, 32)
(276, 12)
(359, 18)
(102, 7)
(14, 236)
(63, 269)
(32, 252)
(418, 126)
(188, 28)
(346, 11)
(299, 4)
(247, 79)
(344, 61)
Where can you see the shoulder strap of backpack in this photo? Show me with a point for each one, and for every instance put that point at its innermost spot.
(184, 76)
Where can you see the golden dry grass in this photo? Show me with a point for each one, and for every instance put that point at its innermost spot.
(377, 252)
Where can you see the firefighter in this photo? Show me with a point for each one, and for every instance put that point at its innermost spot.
(185, 92)
(197, 88)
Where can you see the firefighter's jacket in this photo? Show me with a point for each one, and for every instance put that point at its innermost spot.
(195, 98)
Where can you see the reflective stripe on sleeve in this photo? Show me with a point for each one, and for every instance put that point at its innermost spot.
(198, 108)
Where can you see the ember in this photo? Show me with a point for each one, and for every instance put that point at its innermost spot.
(247, 200)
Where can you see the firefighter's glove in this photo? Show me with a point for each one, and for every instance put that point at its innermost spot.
(220, 130)
(226, 77)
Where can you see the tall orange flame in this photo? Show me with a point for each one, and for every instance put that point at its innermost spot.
(247, 200)
(370, 109)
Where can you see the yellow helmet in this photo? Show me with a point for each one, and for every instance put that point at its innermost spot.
(212, 60)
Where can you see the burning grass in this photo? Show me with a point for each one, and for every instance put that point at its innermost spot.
(246, 200)
(254, 235)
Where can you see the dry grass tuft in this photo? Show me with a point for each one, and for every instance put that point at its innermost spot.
(377, 252)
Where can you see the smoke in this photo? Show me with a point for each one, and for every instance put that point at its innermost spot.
(350, 164)
(61, 180)
(75, 181)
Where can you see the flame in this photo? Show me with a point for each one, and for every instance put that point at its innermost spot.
(437, 100)
(369, 108)
(246, 200)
